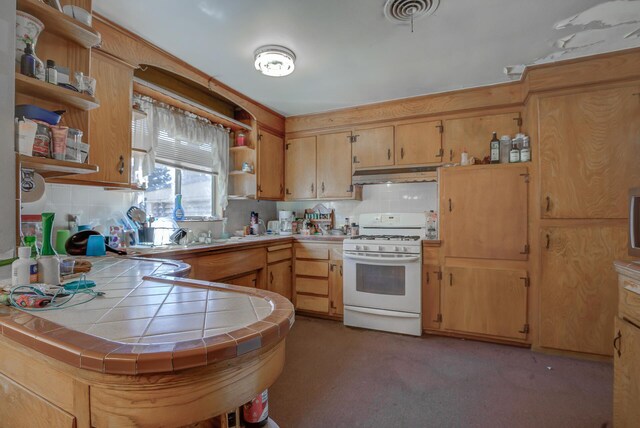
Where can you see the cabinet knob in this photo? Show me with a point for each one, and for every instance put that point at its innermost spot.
(402, 153)
(121, 165)
(323, 187)
(617, 341)
(548, 244)
(271, 277)
(389, 154)
(312, 187)
(288, 192)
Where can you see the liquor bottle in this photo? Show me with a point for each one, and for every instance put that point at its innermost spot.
(495, 148)
(525, 151)
(514, 154)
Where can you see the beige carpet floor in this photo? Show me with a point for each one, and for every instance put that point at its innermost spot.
(336, 376)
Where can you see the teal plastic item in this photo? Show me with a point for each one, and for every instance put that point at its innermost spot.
(79, 285)
(178, 211)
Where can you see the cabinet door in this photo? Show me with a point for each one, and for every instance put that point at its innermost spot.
(431, 312)
(484, 212)
(589, 151)
(485, 301)
(110, 124)
(578, 286)
(279, 278)
(270, 166)
(418, 143)
(373, 147)
(300, 154)
(334, 165)
(248, 280)
(474, 133)
(335, 288)
(626, 375)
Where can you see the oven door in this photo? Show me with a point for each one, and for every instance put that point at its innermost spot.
(382, 281)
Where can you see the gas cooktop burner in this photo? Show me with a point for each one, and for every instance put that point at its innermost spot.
(386, 238)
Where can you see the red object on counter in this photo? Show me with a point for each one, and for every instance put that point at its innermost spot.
(32, 301)
(256, 412)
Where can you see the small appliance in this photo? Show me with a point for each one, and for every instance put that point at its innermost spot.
(285, 219)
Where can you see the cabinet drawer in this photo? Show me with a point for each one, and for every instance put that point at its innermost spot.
(629, 302)
(308, 268)
(312, 251)
(276, 256)
(313, 286)
(312, 303)
(279, 247)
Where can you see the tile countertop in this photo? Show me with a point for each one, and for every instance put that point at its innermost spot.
(630, 269)
(152, 321)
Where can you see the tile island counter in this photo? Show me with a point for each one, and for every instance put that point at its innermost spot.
(155, 350)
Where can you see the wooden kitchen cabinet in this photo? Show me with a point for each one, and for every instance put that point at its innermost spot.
(248, 280)
(485, 301)
(431, 285)
(300, 171)
(418, 143)
(589, 152)
(626, 374)
(270, 166)
(318, 279)
(334, 165)
(484, 211)
(474, 134)
(110, 124)
(336, 305)
(373, 147)
(279, 278)
(578, 286)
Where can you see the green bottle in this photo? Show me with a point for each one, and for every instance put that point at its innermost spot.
(47, 229)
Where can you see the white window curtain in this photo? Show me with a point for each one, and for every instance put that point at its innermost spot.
(183, 140)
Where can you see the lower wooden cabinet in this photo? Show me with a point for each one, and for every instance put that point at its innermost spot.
(279, 278)
(248, 280)
(626, 378)
(431, 310)
(490, 302)
(318, 279)
(578, 292)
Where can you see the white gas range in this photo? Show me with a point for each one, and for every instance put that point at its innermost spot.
(382, 273)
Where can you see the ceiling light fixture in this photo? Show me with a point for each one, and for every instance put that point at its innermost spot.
(275, 61)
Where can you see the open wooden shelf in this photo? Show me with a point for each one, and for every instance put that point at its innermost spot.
(60, 24)
(33, 87)
(241, 197)
(241, 149)
(51, 168)
(241, 173)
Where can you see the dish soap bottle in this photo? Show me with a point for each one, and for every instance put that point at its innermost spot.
(24, 270)
(178, 211)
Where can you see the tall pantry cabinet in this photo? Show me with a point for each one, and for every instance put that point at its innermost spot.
(589, 147)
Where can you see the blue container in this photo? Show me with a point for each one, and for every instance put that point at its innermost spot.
(96, 246)
(36, 113)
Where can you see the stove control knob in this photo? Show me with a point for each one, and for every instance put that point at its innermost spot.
(357, 247)
(365, 248)
(380, 248)
(405, 249)
(396, 248)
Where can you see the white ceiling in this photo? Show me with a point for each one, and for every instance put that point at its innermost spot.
(349, 54)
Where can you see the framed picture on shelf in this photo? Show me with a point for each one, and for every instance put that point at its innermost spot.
(54, 4)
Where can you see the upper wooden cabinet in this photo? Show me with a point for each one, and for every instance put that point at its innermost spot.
(418, 143)
(334, 165)
(589, 151)
(373, 147)
(300, 171)
(484, 211)
(270, 166)
(110, 124)
(474, 134)
(485, 301)
(578, 293)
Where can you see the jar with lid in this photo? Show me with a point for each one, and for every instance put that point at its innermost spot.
(505, 148)
(240, 140)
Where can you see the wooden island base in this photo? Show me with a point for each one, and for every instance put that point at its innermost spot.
(39, 391)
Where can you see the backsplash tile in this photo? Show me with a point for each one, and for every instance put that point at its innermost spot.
(377, 198)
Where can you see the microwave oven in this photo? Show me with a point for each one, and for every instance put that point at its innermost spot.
(634, 222)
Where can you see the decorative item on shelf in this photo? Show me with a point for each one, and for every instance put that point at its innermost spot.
(78, 13)
(54, 4)
(247, 167)
(28, 29)
(240, 140)
(51, 72)
(28, 62)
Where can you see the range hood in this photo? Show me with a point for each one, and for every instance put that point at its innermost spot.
(395, 175)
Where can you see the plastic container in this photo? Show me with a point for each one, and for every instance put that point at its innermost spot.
(33, 112)
(49, 270)
(24, 270)
(505, 148)
(25, 136)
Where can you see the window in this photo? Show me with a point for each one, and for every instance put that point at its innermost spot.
(197, 189)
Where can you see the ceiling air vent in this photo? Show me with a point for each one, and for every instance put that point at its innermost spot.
(407, 11)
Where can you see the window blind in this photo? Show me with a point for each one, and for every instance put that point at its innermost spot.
(184, 154)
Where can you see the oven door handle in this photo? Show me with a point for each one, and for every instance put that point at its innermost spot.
(403, 259)
(383, 312)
